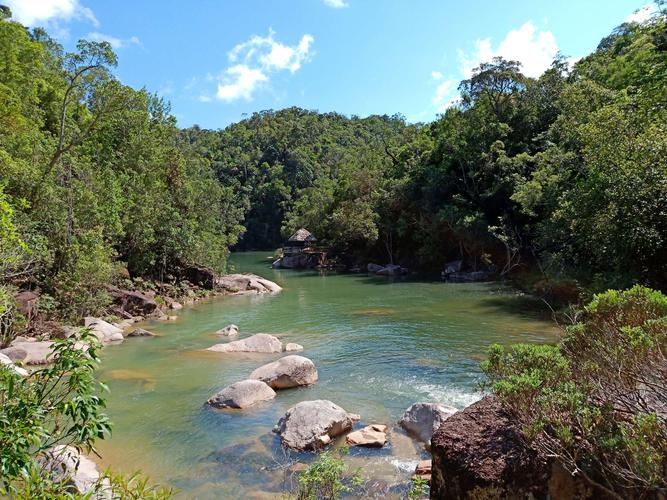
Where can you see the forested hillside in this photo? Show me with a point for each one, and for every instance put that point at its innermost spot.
(566, 173)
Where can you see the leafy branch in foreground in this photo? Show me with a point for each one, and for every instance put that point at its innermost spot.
(596, 403)
(59, 407)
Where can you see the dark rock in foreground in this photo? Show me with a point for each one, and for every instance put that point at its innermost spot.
(478, 453)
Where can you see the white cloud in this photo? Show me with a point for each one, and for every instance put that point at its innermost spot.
(534, 49)
(336, 4)
(254, 61)
(115, 42)
(445, 94)
(242, 81)
(45, 12)
(642, 14)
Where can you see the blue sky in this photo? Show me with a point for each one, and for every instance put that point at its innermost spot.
(218, 60)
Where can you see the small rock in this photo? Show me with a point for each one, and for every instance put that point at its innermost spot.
(140, 332)
(292, 347)
(423, 470)
(242, 395)
(374, 268)
(309, 425)
(374, 436)
(228, 331)
(423, 419)
(290, 371)
(260, 342)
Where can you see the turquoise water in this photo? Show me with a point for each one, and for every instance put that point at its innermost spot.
(379, 346)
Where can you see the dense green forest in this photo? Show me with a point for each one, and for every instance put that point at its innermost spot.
(566, 173)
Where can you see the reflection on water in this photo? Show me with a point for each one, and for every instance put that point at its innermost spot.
(379, 346)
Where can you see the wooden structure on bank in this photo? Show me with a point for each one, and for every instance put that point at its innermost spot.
(300, 242)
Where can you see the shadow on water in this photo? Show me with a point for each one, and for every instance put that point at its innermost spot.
(520, 305)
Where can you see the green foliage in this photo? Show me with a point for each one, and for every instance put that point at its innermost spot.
(419, 488)
(595, 401)
(57, 405)
(327, 478)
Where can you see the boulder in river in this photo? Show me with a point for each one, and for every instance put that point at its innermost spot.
(66, 463)
(246, 283)
(30, 353)
(423, 419)
(260, 342)
(228, 331)
(310, 425)
(374, 268)
(374, 436)
(104, 331)
(290, 371)
(392, 270)
(242, 394)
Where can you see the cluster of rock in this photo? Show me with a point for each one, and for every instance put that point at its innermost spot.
(388, 270)
(454, 272)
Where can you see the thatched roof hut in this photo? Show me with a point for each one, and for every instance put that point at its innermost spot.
(298, 242)
(302, 235)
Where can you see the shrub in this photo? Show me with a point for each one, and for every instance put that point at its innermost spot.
(596, 402)
(327, 478)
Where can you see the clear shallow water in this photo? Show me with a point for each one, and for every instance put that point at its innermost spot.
(379, 346)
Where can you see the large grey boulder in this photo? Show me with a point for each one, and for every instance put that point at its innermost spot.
(246, 283)
(242, 394)
(423, 419)
(260, 342)
(66, 463)
(5, 360)
(30, 353)
(290, 371)
(103, 330)
(310, 425)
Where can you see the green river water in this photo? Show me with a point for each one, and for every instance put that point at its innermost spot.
(379, 346)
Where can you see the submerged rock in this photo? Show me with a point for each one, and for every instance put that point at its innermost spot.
(242, 394)
(290, 371)
(228, 331)
(374, 436)
(423, 419)
(310, 425)
(260, 342)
